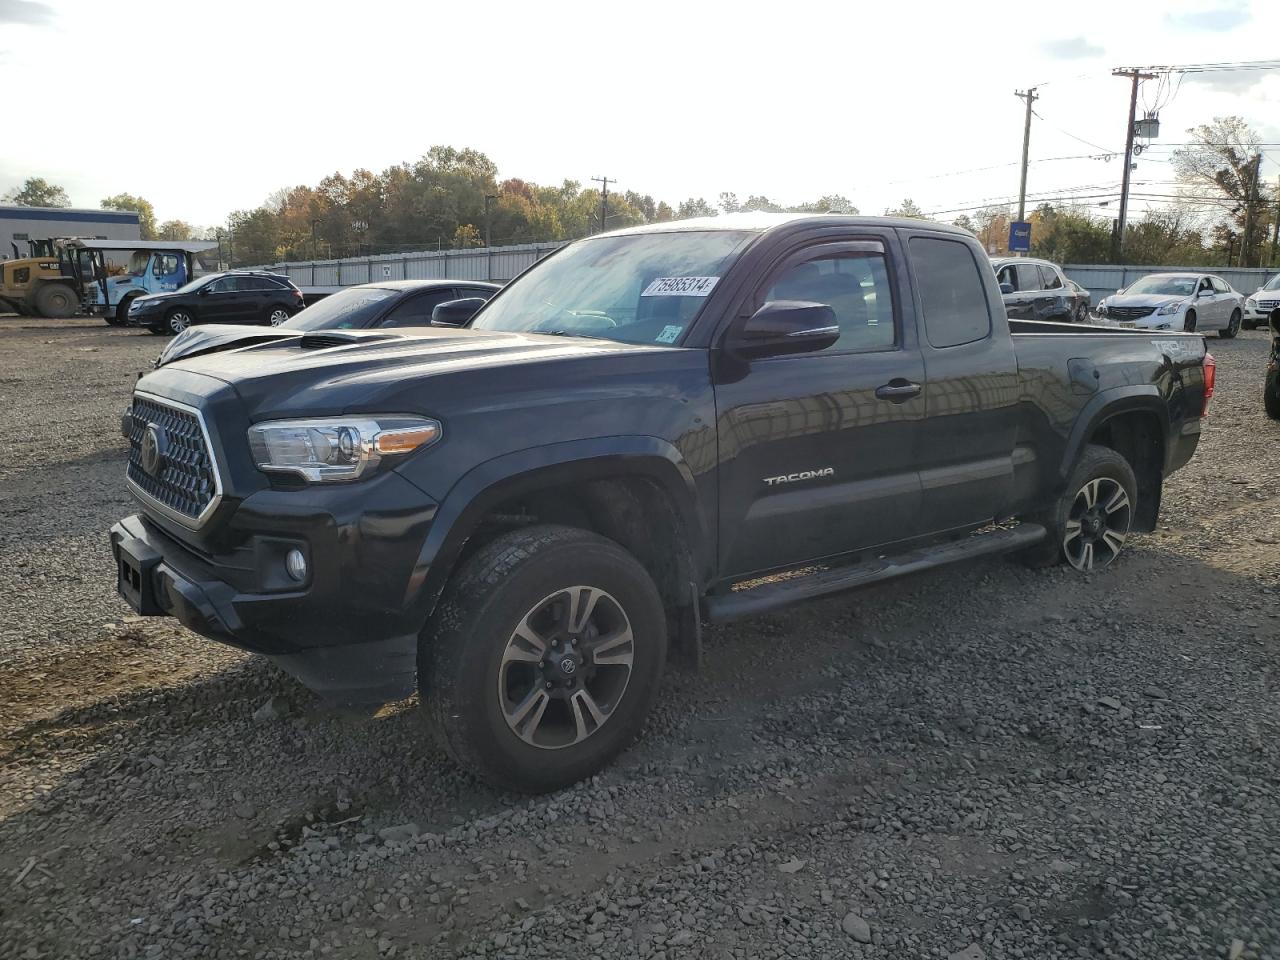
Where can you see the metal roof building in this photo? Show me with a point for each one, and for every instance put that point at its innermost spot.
(20, 224)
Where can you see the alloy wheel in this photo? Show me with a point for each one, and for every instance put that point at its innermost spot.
(278, 316)
(566, 667)
(1097, 525)
(179, 321)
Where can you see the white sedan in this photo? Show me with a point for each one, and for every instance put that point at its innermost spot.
(1194, 302)
(1261, 303)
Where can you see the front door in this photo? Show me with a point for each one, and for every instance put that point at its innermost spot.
(818, 450)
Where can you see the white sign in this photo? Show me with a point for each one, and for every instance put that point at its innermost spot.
(680, 287)
(386, 271)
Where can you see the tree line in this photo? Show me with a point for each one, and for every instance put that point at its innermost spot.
(453, 198)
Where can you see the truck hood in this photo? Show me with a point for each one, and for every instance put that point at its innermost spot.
(209, 337)
(335, 371)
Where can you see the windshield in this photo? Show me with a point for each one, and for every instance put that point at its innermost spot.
(643, 288)
(195, 284)
(1166, 286)
(344, 310)
(138, 261)
(1273, 283)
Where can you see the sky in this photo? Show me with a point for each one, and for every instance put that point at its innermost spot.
(204, 108)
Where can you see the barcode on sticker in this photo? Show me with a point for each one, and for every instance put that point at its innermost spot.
(680, 287)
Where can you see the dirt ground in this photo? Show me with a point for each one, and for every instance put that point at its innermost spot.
(986, 762)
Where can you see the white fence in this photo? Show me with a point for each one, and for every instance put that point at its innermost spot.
(482, 263)
(1102, 280)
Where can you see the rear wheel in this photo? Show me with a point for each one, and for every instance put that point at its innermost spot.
(543, 658)
(1091, 521)
(1082, 313)
(56, 301)
(278, 315)
(1189, 325)
(1249, 324)
(1233, 326)
(1271, 394)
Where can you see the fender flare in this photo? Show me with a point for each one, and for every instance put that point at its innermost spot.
(535, 468)
(1109, 403)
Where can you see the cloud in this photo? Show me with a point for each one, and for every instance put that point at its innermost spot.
(1071, 48)
(26, 12)
(1217, 20)
(1227, 81)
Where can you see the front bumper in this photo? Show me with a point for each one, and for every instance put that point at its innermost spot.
(348, 631)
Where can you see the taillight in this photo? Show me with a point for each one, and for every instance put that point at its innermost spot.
(1210, 377)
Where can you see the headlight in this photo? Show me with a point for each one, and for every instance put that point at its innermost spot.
(1102, 308)
(337, 448)
(1251, 304)
(1170, 308)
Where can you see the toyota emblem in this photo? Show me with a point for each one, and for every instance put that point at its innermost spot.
(154, 446)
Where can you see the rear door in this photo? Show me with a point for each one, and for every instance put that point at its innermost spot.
(1225, 300)
(966, 454)
(1208, 306)
(818, 450)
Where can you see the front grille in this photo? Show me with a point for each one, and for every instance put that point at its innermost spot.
(1268, 305)
(1130, 313)
(183, 478)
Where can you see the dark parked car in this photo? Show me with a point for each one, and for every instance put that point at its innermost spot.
(627, 440)
(240, 296)
(1036, 290)
(392, 303)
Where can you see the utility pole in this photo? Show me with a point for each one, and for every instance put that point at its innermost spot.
(1249, 207)
(488, 236)
(1030, 97)
(604, 199)
(1137, 76)
(1275, 225)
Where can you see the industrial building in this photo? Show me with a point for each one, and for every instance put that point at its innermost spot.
(20, 224)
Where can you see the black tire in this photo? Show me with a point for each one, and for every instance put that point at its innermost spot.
(1249, 324)
(1232, 328)
(57, 301)
(1096, 463)
(121, 316)
(475, 672)
(1271, 394)
(1082, 313)
(1189, 324)
(273, 317)
(175, 321)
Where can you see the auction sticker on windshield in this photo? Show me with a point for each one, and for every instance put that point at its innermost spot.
(680, 287)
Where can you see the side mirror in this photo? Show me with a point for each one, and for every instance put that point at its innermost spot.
(1006, 288)
(454, 313)
(1203, 293)
(783, 327)
(1120, 291)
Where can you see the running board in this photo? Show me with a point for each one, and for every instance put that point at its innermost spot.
(746, 603)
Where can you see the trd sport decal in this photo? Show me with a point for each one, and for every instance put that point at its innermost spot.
(802, 475)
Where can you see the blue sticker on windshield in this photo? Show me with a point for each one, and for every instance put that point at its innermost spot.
(669, 334)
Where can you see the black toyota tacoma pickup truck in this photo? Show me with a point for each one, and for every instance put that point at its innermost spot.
(518, 514)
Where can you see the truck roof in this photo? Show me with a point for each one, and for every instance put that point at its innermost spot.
(760, 222)
(187, 246)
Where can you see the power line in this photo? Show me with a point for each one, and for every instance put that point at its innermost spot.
(1087, 143)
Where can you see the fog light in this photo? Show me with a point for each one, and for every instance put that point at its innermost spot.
(296, 564)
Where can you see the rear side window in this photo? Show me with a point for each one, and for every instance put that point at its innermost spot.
(952, 293)
(1219, 285)
(1029, 277)
(1051, 279)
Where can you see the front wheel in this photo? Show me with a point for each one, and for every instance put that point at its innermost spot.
(56, 301)
(1271, 394)
(1233, 327)
(1091, 521)
(121, 315)
(178, 320)
(543, 658)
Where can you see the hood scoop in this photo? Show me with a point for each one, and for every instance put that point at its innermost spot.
(342, 338)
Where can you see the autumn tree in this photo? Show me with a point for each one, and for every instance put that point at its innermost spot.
(38, 192)
(1220, 162)
(175, 230)
(908, 208)
(142, 207)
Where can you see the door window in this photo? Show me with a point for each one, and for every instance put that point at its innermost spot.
(1050, 277)
(953, 293)
(1205, 285)
(416, 311)
(1029, 277)
(1008, 275)
(165, 265)
(855, 286)
(222, 285)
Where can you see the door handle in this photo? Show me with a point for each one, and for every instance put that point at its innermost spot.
(898, 390)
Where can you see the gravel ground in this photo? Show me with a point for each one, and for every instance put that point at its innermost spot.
(983, 762)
